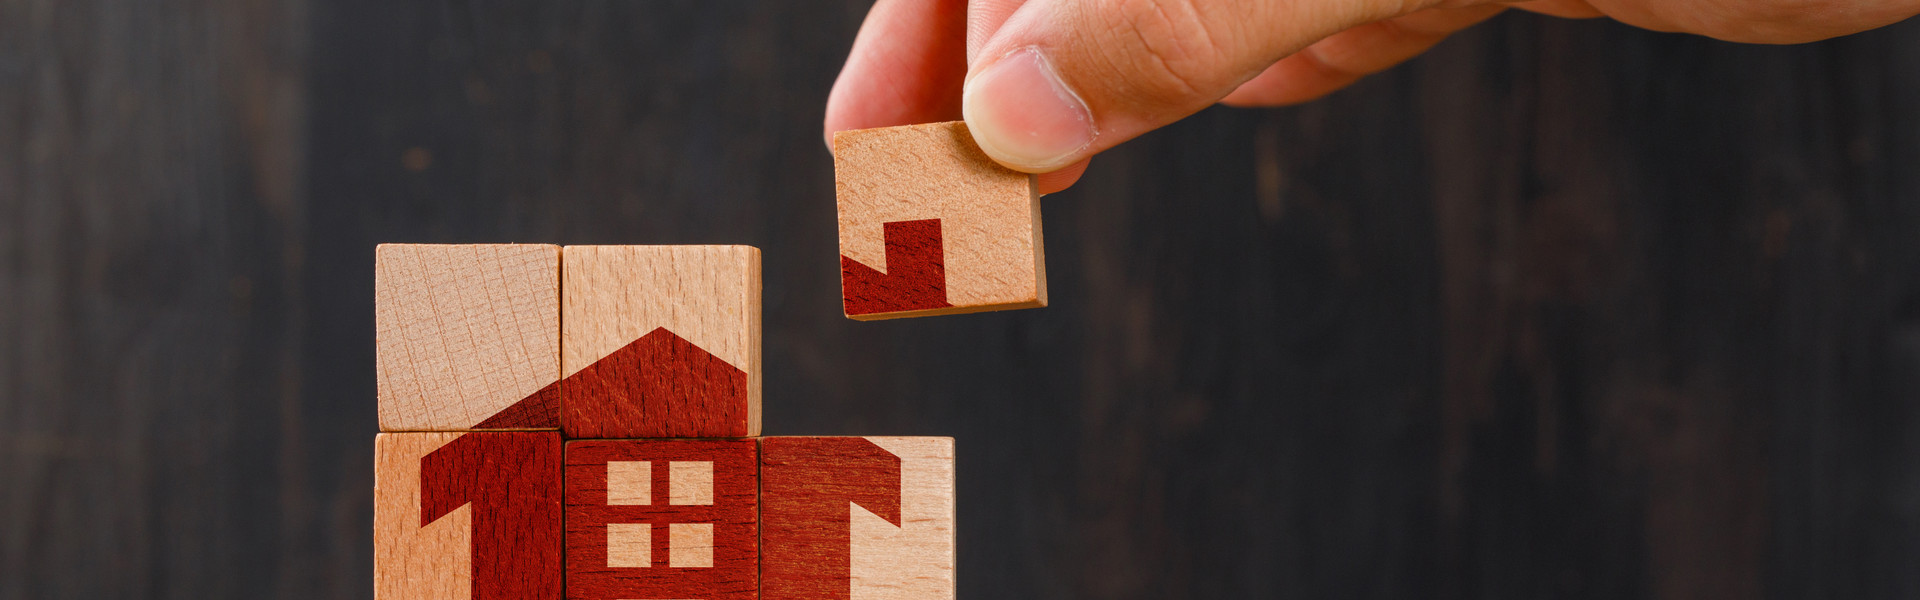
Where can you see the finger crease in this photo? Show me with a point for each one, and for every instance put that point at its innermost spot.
(1187, 87)
(1401, 31)
(1321, 65)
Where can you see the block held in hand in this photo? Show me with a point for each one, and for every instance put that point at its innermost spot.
(930, 226)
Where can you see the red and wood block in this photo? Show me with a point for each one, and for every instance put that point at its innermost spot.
(468, 336)
(854, 517)
(662, 519)
(930, 226)
(661, 342)
(467, 516)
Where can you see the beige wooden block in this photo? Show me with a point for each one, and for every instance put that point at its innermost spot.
(468, 336)
(914, 561)
(929, 225)
(410, 561)
(661, 341)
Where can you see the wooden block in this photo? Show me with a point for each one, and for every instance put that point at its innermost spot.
(898, 544)
(468, 336)
(661, 342)
(930, 226)
(684, 526)
(467, 516)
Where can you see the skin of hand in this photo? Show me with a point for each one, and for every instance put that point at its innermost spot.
(1046, 84)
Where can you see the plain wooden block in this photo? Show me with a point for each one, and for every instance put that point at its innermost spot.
(930, 226)
(661, 342)
(467, 516)
(898, 544)
(468, 336)
(662, 519)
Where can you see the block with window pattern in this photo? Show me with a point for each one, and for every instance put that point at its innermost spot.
(662, 519)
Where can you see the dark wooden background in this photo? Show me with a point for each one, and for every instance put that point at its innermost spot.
(1560, 310)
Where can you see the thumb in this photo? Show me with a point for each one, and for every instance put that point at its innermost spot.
(1062, 80)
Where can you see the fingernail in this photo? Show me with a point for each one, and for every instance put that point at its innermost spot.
(1022, 115)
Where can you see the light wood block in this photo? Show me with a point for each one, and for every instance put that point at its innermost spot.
(930, 226)
(468, 336)
(467, 516)
(847, 518)
(673, 547)
(661, 342)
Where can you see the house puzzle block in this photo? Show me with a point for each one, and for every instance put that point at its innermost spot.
(467, 515)
(661, 342)
(658, 344)
(866, 517)
(662, 519)
(468, 336)
(930, 226)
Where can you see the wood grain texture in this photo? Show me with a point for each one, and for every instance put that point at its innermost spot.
(912, 559)
(989, 233)
(916, 276)
(630, 482)
(467, 516)
(690, 545)
(659, 386)
(629, 545)
(697, 551)
(661, 341)
(466, 333)
(1673, 347)
(411, 560)
(812, 492)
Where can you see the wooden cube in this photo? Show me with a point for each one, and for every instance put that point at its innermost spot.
(662, 519)
(661, 342)
(930, 226)
(898, 544)
(467, 515)
(468, 336)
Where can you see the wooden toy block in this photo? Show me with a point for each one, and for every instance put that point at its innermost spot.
(467, 515)
(662, 519)
(661, 342)
(897, 545)
(468, 336)
(930, 226)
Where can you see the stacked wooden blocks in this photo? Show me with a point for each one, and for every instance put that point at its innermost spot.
(583, 422)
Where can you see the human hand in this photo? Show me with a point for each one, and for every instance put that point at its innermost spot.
(1046, 84)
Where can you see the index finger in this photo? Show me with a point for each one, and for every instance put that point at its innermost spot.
(907, 66)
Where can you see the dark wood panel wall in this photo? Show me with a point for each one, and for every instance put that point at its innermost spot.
(1561, 310)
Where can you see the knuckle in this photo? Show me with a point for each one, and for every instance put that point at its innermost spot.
(1175, 57)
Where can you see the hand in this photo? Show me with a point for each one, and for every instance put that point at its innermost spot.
(1046, 84)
